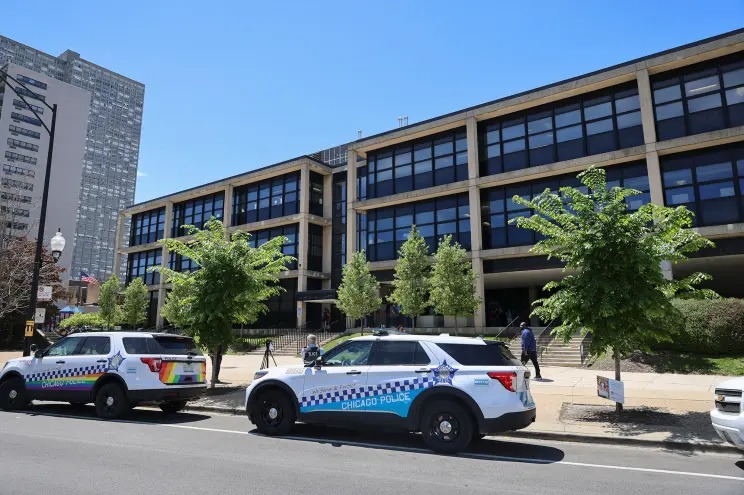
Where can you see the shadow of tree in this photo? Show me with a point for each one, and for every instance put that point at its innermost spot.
(685, 427)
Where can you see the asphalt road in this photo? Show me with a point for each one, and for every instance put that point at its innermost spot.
(55, 449)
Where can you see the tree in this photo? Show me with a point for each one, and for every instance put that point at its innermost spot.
(411, 279)
(136, 299)
(108, 305)
(614, 285)
(453, 282)
(359, 292)
(229, 287)
(81, 320)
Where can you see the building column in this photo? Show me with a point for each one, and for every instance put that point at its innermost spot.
(647, 106)
(303, 230)
(351, 198)
(227, 206)
(653, 169)
(479, 318)
(119, 243)
(164, 262)
(476, 237)
(327, 230)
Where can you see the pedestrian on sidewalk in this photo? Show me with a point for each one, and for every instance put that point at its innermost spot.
(326, 320)
(529, 348)
(311, 351)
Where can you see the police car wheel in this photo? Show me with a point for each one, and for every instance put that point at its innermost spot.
(446, 427)
(13, 394)
(274, 413)
(173, 407)
(111, 401)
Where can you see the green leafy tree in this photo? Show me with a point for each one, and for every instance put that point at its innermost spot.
(614, 285)
(136, 299)
(81, 320)
(229, 287)
(359, 292)
(453, 282)
(411, 279)
(108, 305)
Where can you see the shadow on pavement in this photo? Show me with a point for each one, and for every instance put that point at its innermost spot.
(89, 412)
(740, 465)
(488, 448)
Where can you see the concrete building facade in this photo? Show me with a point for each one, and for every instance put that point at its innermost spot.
(670, 125)
(24, 145)
(110, 153)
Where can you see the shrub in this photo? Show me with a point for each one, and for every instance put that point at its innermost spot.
(81, 320)
(710, 326)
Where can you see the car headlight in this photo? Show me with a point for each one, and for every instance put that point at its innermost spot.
(260, 374)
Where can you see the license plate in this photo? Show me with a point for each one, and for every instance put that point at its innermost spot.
(188, 368)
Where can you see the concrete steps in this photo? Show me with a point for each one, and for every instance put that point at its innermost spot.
(559, 353)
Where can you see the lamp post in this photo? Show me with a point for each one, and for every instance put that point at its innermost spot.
(44, 197)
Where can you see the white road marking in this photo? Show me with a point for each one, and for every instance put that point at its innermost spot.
(427, 451)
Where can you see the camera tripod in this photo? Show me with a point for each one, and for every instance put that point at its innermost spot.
(268, 353)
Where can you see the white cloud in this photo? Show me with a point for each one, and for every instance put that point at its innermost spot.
(141, 174)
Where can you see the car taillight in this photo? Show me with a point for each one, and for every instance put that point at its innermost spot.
(152, 363)
(506, 378)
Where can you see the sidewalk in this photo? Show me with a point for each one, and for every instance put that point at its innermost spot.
(663, 409)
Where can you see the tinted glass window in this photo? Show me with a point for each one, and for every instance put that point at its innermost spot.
(398, 353)
(490, 354)
(178, 345)
(138, 345)
(65, 347)
(352, 353)
(96, 346)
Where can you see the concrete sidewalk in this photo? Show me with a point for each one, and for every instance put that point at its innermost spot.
(684, 400)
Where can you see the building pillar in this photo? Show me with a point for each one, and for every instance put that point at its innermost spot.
(328, 196)
(647, 106)
(227, 206)
(301, 314)
(351, 198)
(164, 262)
(476, 237)
(479, 318)
(655, 184)
(303, 231)
(119, 243)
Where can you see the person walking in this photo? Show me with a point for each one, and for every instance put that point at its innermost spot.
(529, 348)
(326, 320)
(311, 351)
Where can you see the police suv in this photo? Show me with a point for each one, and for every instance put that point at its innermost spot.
(451, 389)
(114, 370)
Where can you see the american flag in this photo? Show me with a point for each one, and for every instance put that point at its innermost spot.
(84, 277)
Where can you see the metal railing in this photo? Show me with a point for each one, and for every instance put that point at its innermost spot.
(508, 325)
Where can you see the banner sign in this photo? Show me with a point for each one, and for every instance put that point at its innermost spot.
(608, 388)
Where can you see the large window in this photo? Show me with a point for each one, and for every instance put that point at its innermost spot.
(433, 161)
(316, 194)
(181, 263)
(383, 231)
(709, 183)
(196, 212)
(20, 104)
(147, 227)
(271, 198)
(17, 157)
(260, 237)
(592, 124)
(17, 143)
(139, 263)
(498, 207)
(14, 129)
(23, 118)
(31, 82)
(701, 98)
(315, 248)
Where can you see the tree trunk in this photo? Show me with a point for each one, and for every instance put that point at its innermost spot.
(216, 357)
(616, 355)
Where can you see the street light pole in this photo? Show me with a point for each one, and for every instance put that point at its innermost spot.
(40, 235)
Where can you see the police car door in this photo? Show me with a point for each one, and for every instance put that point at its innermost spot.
(399, 370)
(46, 376)
(336, 388)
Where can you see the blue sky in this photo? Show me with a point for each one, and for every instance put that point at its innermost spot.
(236, 85)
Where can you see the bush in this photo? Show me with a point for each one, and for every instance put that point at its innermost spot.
(709, 326)
(80, 320)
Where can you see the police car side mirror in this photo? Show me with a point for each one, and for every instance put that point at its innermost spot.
(34, 348)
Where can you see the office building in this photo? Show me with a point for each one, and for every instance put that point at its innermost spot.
(111, 149)
(24, 145)
(670, 125)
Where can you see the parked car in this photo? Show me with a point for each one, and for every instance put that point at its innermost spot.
(728, 415)
(114, 370)
(451, 389)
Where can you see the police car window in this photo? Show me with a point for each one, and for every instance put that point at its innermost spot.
(352, 353)
(65, 347)
(490, 354)
(95, 346)
(400, 353)
(175, 344)
(136, 345)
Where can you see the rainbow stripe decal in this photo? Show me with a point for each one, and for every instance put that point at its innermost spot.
(69, 380)
(170, 376)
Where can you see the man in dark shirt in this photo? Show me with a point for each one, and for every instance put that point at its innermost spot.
(529, 348)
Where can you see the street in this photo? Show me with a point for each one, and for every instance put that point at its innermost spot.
(53, 448)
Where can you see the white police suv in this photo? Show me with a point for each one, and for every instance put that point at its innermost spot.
(451, 389)
(115, 370)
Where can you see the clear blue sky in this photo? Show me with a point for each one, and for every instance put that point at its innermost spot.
(236, 85)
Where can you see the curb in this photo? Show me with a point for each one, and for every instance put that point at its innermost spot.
(558, 436)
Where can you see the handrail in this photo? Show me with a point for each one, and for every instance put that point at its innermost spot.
(508, 325)
(540, 338)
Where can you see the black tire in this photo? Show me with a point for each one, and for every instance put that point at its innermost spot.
(13, 395)
(446, 427)
(173, 407)
(111, 401)
(274, 413)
